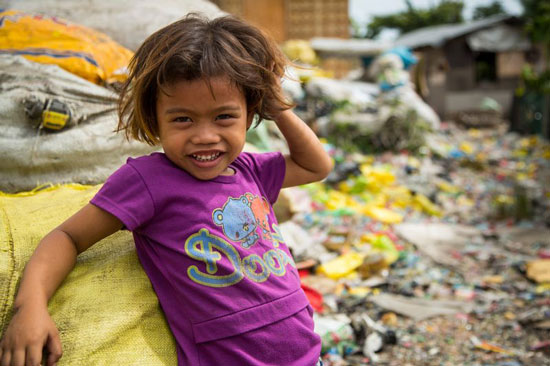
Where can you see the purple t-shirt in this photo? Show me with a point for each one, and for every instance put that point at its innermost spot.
(216, 259)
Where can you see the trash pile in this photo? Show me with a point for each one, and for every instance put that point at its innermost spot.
(438, 258)
(378, 112)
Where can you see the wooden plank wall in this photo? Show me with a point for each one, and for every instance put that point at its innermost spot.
(293, 19)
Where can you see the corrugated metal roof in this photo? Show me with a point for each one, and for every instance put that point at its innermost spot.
(437, 35)
(349, 47)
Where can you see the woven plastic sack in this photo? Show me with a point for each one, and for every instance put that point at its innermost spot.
(83, 51)
(106, 310)
(86, 151)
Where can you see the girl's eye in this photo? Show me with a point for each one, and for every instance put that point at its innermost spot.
(182, 119)
(225, 116)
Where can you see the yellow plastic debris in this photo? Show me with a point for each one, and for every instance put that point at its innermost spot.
(474, 132)
(520, 153)
(383, 214)
(386, 246)
(389, 319)
(466, 147)
(300, 50)
(336, 200)
(377, 177)
(539, 270)
(528, 142)
(399, 196)
(342, 266)
(448, 187)
(509, 315)
(379, 200)
(464, 201)
(542, 288)
(521, 176)
(106, 309)
(427, 205)
(360, 291)
(496, 279)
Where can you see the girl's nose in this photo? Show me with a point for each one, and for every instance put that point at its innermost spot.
(204, 134)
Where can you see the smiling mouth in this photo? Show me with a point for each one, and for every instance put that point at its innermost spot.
(208, 157)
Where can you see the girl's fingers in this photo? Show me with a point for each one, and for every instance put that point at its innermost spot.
(54, 348)
(33, 355)
(6, 358)
(18, 357)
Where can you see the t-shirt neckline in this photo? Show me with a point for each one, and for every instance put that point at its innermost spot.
(219, 179)
(227, 178)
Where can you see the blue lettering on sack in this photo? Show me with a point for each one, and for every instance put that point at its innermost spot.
(209, 249)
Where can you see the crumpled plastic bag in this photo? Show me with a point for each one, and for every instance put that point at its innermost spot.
(80, 50)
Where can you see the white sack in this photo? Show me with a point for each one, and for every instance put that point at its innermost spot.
(87, 152)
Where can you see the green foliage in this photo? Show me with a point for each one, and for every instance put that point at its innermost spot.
(537, 19)
(533, 82)
(446, 12)
(482, 12)
(537, 23)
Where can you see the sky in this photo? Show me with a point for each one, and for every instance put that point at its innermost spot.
(362, 10)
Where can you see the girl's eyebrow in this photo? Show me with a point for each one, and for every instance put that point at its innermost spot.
(224, 108)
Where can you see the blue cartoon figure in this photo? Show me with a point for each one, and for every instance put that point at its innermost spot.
(238, 221)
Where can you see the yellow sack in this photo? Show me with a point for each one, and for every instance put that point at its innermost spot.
(83, 51)
(106, 310)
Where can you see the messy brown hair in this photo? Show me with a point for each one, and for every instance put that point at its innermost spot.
(199, 48)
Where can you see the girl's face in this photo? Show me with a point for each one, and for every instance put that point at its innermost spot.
(203, 130)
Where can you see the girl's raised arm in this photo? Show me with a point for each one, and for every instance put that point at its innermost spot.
(308, 161)
(31, 328)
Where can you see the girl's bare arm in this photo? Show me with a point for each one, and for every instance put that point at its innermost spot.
(31, 328)
(308, 161)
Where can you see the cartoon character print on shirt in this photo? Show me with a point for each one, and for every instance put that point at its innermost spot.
(237, 220)
(260, 208)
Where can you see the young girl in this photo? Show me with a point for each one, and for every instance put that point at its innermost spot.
(200, 212)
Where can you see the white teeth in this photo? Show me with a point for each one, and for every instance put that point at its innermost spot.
(206, 157)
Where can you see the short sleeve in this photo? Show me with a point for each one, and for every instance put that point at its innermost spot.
(270, 168)
(126, 196)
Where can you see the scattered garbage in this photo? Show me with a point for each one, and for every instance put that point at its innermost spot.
(456, 278)
(446, 248)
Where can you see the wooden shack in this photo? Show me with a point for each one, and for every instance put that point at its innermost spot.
(461, 64)
(293, 19)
